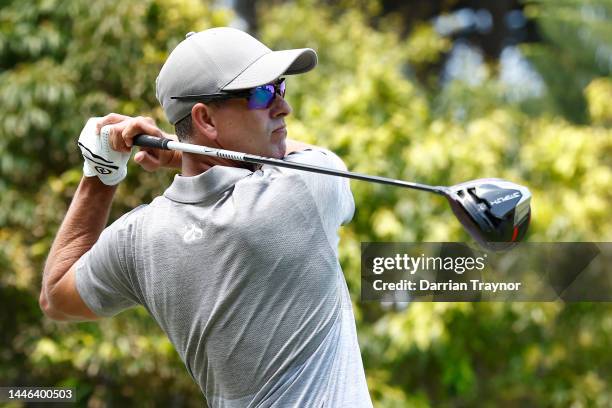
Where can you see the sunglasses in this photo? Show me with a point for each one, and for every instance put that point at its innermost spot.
(260, 97)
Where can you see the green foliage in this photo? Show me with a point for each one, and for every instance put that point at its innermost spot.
(61, 62)
(576, 49)
(598, 94)
(381, 123)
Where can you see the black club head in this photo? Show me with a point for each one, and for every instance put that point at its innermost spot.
(495, 212)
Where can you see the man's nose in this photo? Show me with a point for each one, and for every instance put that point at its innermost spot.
(280, 107)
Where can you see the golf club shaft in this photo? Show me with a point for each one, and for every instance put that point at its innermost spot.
(167, 144)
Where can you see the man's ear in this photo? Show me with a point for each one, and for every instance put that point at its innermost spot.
(203, 121)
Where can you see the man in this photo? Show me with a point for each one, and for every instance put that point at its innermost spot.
(237, 264)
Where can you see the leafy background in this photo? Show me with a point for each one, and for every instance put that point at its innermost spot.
(379, 98)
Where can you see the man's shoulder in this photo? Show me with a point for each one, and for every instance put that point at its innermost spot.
(130, 218)
(318, 157)
(136, 212)
(329, 195)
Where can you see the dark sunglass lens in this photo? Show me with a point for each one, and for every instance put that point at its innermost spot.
(262, 97)
(269, 88)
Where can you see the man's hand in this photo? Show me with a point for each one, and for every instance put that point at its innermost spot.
(99, 158)
(123, 129)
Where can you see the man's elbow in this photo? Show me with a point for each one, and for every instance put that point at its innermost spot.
(48, 310)
(61, 301)
(52, 310)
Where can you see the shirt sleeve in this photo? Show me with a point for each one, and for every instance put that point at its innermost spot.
(102, 275)
(332, 194)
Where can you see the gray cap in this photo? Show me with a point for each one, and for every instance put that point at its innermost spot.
(223, 59)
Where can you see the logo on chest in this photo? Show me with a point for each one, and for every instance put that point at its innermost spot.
(192, 233)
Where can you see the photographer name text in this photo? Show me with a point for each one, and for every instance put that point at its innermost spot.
(426, 285)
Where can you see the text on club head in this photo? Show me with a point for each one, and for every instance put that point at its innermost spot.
(506, 198)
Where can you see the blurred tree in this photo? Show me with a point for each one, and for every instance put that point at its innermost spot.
(575, 50)
(61, 62)
(491, 34)
(598, 94)
(247, 10)
(359, 103)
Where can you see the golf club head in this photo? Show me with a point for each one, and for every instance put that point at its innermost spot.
(495, 212)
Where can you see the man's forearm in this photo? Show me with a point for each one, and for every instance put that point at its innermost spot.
(81, 228)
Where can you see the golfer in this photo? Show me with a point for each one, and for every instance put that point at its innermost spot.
(238, 264)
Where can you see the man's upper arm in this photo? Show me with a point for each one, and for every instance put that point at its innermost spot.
(98, 284)
(64, 302)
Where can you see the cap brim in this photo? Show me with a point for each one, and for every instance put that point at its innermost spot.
(272, 65)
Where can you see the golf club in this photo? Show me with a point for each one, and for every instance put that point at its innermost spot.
(495, 212)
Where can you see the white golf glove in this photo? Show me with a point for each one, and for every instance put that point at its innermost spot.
(100, 159)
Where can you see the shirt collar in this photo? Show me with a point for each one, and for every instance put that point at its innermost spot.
(195, 189)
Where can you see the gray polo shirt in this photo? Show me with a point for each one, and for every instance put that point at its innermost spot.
(240, 269)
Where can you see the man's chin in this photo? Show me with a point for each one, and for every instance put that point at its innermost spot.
(280, 150)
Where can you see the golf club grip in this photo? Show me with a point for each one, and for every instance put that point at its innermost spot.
(151, 141)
